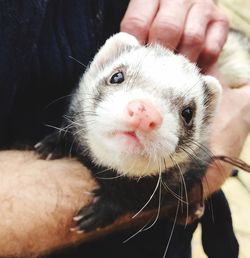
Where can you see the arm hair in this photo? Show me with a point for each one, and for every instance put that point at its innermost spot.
(38, 200)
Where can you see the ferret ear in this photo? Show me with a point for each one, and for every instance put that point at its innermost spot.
(213, 92)
(114, 46)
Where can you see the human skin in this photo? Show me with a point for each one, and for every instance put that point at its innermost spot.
(229, 131)
(39, 198)
(194, 28)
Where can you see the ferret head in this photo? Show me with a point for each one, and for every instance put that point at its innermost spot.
(138, 108)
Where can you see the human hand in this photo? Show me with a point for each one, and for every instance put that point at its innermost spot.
(195, 28)
(230, 128)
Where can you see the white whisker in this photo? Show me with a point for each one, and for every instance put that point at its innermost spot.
(159, 204)
(136, 233)
(150, 198)
(185, 189)
(172, 230)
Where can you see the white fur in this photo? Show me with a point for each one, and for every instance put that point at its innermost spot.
(159, 75)
(234, 61)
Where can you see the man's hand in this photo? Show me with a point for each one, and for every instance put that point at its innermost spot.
(230, 128)
(195, 28)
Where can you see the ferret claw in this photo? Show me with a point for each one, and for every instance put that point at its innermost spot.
(73, 229)
(96, 199)
(79, 232)
(37, 145)
(199, 212)
(50, 155)
(98, 214)
(49, 148)
(77, 218)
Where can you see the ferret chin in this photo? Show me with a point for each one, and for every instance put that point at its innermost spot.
(135, 93)
(141, 115)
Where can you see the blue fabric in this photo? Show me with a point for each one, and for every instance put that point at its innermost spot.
(149, 244)
(218, 238)
(37, 38)
(20, 25)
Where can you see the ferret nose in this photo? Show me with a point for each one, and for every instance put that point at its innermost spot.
(143, 116)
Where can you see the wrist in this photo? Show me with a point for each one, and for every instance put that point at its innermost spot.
(229, 131)
(216, 175)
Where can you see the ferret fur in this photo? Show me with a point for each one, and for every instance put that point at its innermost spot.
(174, 155)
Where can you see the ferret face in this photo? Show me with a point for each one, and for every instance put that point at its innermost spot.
(139, 108)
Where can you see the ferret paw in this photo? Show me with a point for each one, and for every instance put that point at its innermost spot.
(49, 148)
(98, 214)
(42, 151)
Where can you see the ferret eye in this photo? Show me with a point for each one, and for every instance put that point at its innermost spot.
(117, 78)
(187, 114)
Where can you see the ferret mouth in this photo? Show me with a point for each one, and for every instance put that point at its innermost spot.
(130, 135)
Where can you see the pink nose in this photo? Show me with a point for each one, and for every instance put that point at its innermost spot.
(142, 115)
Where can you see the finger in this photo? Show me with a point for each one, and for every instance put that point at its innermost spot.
(215, 39)
(138, 18)
(168, 24)
(194, 34)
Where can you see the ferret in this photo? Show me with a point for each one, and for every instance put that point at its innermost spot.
(139, 120)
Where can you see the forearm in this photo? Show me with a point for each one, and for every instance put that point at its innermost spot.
(38, 201)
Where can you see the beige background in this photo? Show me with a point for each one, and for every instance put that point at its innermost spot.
(238, 12)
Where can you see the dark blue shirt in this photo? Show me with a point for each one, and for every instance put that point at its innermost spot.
(37, 39)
